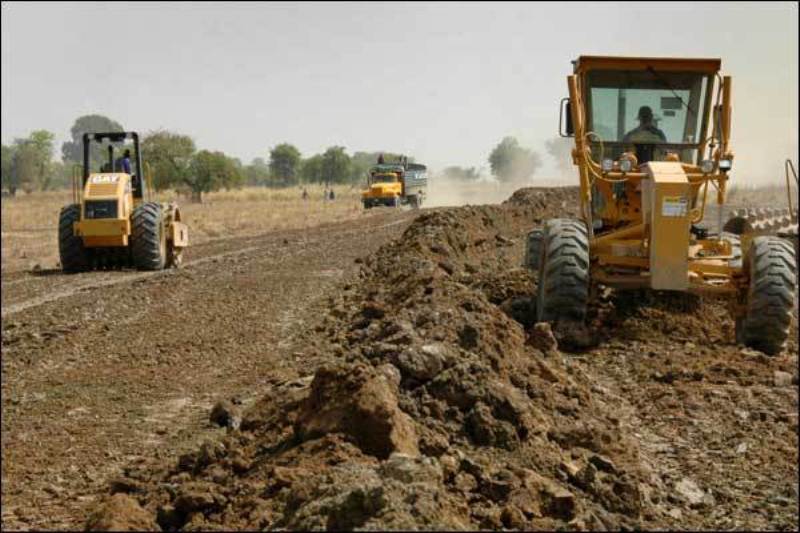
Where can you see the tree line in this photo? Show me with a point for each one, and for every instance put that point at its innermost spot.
(28, 163)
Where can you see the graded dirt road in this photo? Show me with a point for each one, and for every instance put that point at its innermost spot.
(102, 368)
(385, 384)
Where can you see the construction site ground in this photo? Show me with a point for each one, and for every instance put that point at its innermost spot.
(383, 372)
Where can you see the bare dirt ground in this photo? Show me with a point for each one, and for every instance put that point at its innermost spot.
(383, 373)
(104, 368)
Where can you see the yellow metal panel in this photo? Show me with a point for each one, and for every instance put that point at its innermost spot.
(667, 219)
(104, 241)
(179, 234)
(103, 227)
(107, 185)
(707, 65)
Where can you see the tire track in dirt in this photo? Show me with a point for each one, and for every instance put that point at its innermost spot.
(125, 277)
(97, 377)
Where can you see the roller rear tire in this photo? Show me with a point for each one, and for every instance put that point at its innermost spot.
(74, 257)
(148, 237)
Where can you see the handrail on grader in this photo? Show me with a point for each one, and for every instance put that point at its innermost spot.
(789, 167)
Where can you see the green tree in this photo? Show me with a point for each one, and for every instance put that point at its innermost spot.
(169, 156)
(9, 181)
(60, 176)
(210, 171)
(311, 171)
(335, 165)
(560, 149)
(512, 163)
(257, 172)
(72, 151)
(26, 166)
(284, 164)
(43, 144)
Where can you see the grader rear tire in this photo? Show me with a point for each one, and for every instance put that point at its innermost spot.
(148, 237)
(74, 257)
(563, 291)
(772, 267)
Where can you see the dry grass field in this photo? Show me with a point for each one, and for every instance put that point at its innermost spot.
(30, 221)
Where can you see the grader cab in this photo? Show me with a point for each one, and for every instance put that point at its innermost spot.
(113, 221)
(652, 142)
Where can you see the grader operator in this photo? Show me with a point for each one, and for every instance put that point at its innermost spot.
(652, 140)
(113, 221)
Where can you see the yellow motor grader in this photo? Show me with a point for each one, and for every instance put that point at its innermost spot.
(652, 141)
(113, 221)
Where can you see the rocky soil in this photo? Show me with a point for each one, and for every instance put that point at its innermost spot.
(421, 396)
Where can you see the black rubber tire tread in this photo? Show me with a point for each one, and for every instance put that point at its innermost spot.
(736, 244)
(148, 242)
(564, 281)
(74, 257)
(533, 249)
(772, 266)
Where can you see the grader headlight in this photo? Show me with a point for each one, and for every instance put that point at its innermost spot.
(707, 166)
(625, 165)
(725, 164)
(607, 165)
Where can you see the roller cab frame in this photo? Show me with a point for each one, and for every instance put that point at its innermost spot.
(113, 220)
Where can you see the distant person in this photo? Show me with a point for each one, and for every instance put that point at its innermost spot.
(333, 196)
(305, 194)
(380, 159)
(645, 135)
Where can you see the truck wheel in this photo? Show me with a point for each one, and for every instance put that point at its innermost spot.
(148, 237)
(74, 257)
(533, 249)
(772, 267)
(563, 290)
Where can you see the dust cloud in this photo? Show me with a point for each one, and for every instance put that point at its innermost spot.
(448, 192)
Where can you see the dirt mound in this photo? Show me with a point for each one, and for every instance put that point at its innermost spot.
(441, 409)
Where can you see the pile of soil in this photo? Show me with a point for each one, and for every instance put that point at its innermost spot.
(439, 405)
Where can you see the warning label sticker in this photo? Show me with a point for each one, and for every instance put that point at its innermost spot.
(674, 206)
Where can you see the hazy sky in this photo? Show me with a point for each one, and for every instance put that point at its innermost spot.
(441, 81)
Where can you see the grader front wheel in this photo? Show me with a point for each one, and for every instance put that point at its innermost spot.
(563, 291)
(772, 268)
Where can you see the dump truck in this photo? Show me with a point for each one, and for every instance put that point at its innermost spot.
(113, 220)
(651, 142)
(396, 184)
